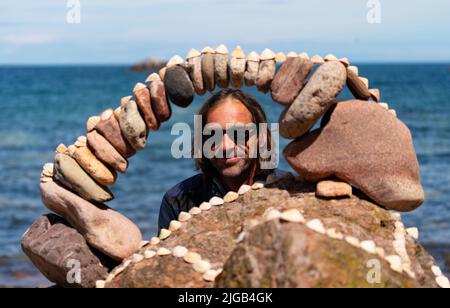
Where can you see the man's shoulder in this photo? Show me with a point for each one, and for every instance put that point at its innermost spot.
(189, 185)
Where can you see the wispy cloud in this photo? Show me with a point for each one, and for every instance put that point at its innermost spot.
(27, 39)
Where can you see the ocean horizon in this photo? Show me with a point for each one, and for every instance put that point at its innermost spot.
(45, 105)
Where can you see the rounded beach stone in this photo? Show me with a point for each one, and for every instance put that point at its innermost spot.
(314, 99)
(208, 68)
(110, 129)
(380, 160)
(159, 100)
(178, 86)
(237, 67)
(290, 79)
(133, 126)
(266, 71)
(333, 189)
(74, 178)
(194, 61)
(103, 228)
(142, 98)
(357, 86)
(221, 67)
(94, 167)
(105, 152)
(51, 244)
(251, 71)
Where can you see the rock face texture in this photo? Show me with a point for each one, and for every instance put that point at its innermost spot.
(278, 253)
(51, 245)
(364, 145)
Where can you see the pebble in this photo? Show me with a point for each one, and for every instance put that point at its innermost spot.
(174, 61)
(142, 98)
(174, 225)
(159, 101)
(294, 215)
(105, 152)
(94, 167)
(192, 257)
(316, 225)
(333, 189)
(244, 189)
(368, 246)
(163, 252)
(195, 211)
(251, 72)
(205, 206)
(443, 282)
(155, 241)
(271, 214)
(195, 65)
(100, 284)
(148, 254)
(258, 185)
(201, 266)
(280, 57)
(395, 262)
(180, 251)
(164, 233)
(221, 66)
(352, 241)
(335, 234)
(183, 217)
(230, 196)
(237, 67)
(210, 275)
(266, 71)
(316, 59)
(136, 258)
(413, 232)
(436, 270)
(208, 68)
(91, 122)
(179, 87)
(216, 201)
(357, 86)
(133, 126)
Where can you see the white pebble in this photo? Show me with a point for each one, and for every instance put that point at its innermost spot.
(195, 211)
(137, 258)
(271, 214)
(154, 240)
(163, 252)
(443, 282)
(110, 278)
(316, 225)
(201, 266)
(436, 270)
(257, 185)
(240, 237)
(183, 217)
(230, 196)
(100, 284)
(210, 275)
(216, 201)
(148, 254)
(413, 232)
(192, 257)
(164, 233)
(395, 263)
(143, 243)
(205, 206)
(174, 225)
(293, 215)
(244, 189)
(368, 246)
(352, 241)
(180, 251)
(334, 234)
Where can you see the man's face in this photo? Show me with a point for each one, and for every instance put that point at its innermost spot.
(228, 113)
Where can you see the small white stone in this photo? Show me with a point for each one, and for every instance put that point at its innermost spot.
(267, 54)
(241, 237)
(222, 49)
(208, 49)
(335, 234)
(368, 246)
(164, 233)
(384, 105)
(257, 185)
(316, 59)
(354, 69)
(436, 270)
(193, 53)
(395, 263)
(148, 254)
(365, 81)
(195, 211)
(352, 241)
(192, 257)
(143, 244)
(230, 197)
(330, 57)
(244, 189)
(110, 278)
(216, 201)
(183, 217)
(345, 61)
(271, 214)
(174, 225)
(303, 55)
(316, 225)
(394, 113)
(100, 284)
(175, 60)
(137, 258)
(443, 282)
(253, 57)
(201, 266)
(153, 77)
(293, 215)
(163, 251)
(210, 275)
(180, 251)
(292, 54)
(413, 232)
(205, 206)
(155, 241)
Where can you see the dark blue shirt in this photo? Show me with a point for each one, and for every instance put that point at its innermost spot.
(192, 192)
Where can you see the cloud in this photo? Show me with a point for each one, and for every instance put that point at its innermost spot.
(27, 39)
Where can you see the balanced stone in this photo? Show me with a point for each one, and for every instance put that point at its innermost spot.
(289, 79)
(380, 159)
(237, 67)
(178, 86)
(109, 128)
(208, 68)
(142, 98)
(221, 66)
(133, 126)
(266, 71)
(74, 178)
(105, 152)
(314, 99)
(104, 229)
(333, 189)
(251, 72)
(159, 101)
(54, 247)
(194, 61)
(357, 86)
(94, 167)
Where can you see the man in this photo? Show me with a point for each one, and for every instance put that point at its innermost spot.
(221, 173)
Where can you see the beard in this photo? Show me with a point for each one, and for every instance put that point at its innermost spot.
(232, 168)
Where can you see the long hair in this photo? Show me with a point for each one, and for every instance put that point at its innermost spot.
(258, 116)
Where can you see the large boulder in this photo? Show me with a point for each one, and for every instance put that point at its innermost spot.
(365, 145)
(284, 251)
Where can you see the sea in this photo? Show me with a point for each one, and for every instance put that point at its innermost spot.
(43, 106)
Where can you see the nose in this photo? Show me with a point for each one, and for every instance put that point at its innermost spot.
(228, 146)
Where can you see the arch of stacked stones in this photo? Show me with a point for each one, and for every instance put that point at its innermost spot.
(75, 185)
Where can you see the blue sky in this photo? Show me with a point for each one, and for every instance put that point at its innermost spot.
(114, 31)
